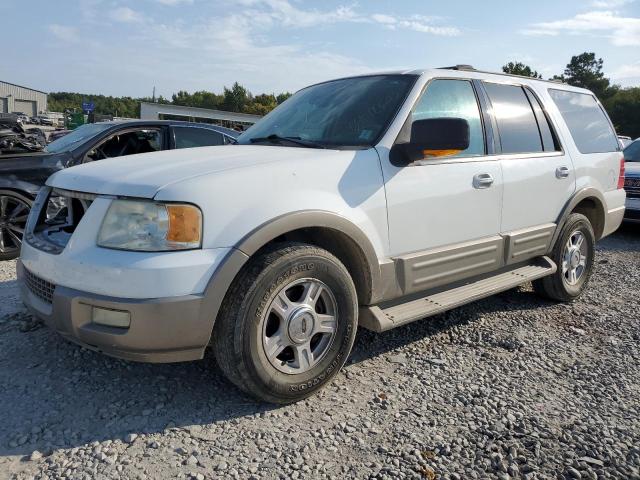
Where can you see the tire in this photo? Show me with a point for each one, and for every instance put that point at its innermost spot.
(253, 321)
(14, 210)
(563, 286)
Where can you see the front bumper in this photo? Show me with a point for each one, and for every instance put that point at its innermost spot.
(170, 329)
(632, 212)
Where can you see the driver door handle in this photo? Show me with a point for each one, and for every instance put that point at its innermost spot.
(482, 180)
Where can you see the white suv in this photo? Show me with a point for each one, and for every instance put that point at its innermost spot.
(374, 200)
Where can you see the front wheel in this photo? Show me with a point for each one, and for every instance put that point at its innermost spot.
(14, 210)
(287, 324)
(573, 253)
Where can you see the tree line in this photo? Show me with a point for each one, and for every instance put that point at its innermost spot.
(234, 99)
(585, 70)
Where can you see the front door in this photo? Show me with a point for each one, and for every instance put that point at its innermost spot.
(450, 203)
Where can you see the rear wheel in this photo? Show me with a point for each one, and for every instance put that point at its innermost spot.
(14, 210)
(573, 253)
(287, 324)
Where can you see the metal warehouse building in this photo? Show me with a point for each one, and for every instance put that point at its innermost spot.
(14, 98)
(155, 111)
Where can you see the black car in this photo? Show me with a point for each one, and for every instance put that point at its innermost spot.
(22, 175)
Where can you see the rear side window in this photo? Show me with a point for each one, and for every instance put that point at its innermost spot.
(517, 124)
(187, 137)
(587, 122)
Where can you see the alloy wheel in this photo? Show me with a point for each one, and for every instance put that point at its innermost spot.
(299, 326)
(574, 258)
(13, 219)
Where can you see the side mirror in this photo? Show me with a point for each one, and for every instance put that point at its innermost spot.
(432, 137)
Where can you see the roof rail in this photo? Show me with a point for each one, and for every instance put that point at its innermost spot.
(470, 68)
(458, 67)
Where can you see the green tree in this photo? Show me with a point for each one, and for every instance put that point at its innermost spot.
(624, 109)
(282, 97)
(585, 70)
(235, 98)
(261, 104)
(519, 68)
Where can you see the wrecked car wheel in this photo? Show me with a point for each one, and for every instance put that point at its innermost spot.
(14, 210)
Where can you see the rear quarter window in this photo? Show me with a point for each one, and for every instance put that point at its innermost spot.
(588, 124)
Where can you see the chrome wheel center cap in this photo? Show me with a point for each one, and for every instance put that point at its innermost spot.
(301, 325)
(575, 258)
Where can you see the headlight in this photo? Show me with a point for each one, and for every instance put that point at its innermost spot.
(150, 226)
(55, 206)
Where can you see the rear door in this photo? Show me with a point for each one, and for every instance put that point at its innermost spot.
(538, 176)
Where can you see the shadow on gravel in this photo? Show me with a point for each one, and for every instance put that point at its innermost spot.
(370, 344)
(61, 396)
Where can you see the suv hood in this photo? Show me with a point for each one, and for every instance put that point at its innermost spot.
(144, 175)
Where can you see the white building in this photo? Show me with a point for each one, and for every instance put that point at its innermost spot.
(160, 111)
(14, 98)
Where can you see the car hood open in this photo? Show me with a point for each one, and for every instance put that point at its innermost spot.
(144, 175)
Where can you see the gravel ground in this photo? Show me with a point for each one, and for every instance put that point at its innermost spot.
(509, 387)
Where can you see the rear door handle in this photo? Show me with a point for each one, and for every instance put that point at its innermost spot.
(482, 180)
(562, 172)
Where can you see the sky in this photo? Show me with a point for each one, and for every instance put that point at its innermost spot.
(126, 47)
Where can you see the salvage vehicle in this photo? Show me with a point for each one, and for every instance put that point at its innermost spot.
(632, 182)
(14, 138)
(374, 200)
(22, 174)
(44, 120)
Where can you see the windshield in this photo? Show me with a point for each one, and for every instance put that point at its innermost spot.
(75, 138)
(632, 152)
(347, 113)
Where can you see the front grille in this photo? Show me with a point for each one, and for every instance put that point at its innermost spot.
(632, 187)
(39, 287)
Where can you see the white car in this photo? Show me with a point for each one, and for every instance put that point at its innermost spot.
(374, 200)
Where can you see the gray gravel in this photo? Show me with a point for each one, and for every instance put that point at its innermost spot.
(509, 387)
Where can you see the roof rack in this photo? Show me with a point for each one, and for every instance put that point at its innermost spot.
(470, 68)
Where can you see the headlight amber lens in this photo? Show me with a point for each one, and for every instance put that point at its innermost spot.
(184, 224)
(151, 226)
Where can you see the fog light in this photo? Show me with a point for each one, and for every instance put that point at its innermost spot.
(111, 318)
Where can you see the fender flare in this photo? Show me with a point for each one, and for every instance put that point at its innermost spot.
(238, 256)
(582, 194)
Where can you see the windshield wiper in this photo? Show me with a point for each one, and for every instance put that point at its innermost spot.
(274, 138)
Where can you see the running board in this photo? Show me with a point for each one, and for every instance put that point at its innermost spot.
(380, 320)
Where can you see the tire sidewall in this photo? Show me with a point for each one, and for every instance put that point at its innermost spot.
(269, 283)
(575, 223)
